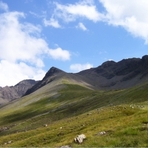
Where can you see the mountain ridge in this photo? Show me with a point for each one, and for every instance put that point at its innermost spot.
(118, 75)
(110, 75)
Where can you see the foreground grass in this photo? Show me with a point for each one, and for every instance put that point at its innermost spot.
(124, 126)
(123, 115)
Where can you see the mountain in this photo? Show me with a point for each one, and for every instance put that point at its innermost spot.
(51, 75)
(55, 74)
(8, 94)
(117, 75)
(109, 76)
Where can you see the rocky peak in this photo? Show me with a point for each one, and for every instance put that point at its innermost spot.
(108, 64)
(53, 74)
(53, 71)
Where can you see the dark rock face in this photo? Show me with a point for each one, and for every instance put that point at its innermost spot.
(53, 71)
(110, 69)
(118, 75)
(17, 91)
(130, 68)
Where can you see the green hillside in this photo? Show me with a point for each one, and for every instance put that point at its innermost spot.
(70, 109)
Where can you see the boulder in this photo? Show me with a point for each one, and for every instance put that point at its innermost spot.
(80, 138)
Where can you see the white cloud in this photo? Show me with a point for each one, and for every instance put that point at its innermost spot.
(81, 26)
(131, 15)
(12, 73)
(3, 6)
(80, 67)
(52, 22)
(22, 50)
(82, 9)
(59, 54)
(19, 41)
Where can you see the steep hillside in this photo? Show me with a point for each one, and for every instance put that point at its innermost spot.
(117, 75)
(55, 74)
(8, 94)
(70, 109)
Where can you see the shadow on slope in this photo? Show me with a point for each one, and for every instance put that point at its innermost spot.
(70, 101)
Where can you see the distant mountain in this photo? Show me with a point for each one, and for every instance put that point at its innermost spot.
(117, 75)
(51, 75)
(55, 74)
(110, 75)
(8, 94)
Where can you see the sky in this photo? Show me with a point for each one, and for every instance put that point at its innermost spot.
(70, 35)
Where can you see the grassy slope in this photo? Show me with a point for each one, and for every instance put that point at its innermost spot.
(122, 114)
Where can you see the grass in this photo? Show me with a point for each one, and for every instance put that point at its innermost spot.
(74, 110)
(122, 129)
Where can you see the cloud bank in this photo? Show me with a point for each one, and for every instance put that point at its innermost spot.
(131, 15)
(84, 9)
(22, 49)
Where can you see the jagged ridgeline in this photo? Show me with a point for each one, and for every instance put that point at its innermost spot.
(110, 75)
(108, 105)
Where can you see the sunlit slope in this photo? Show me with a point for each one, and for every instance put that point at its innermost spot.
(70, 108)
(50, 89)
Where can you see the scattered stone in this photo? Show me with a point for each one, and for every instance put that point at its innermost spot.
(9, 142)
(80, 138)
(4, 129)
(102, 133)
(45, 125)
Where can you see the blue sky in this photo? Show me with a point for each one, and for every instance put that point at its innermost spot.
(71, 35)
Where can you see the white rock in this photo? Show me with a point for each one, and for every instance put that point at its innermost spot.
(80, 138)
(45, 125)
(102, 133)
